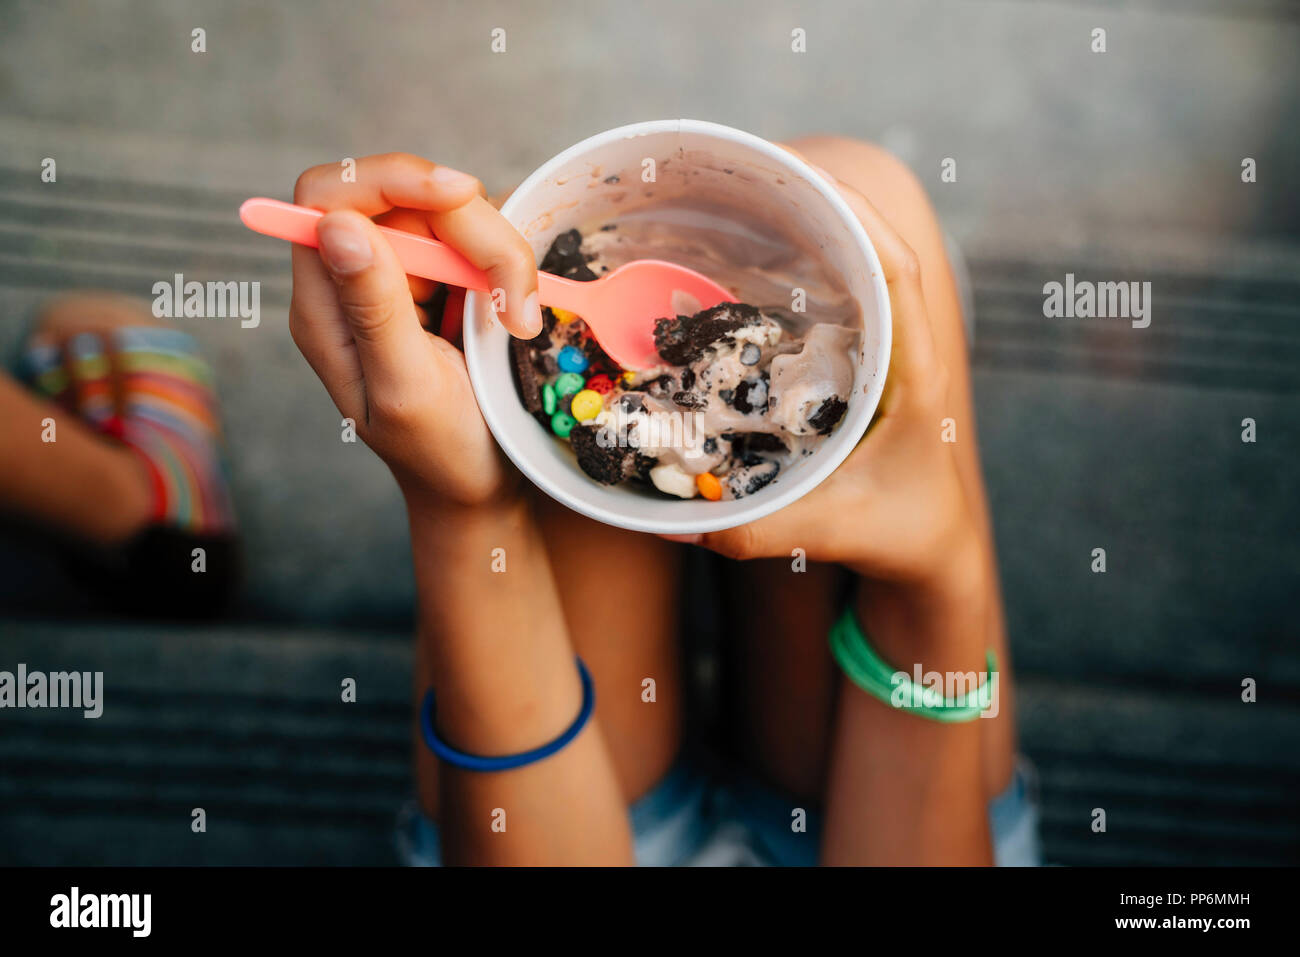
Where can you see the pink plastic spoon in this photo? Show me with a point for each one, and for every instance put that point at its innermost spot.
(620, 308)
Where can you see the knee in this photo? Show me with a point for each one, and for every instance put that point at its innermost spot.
(859, 159)
(872, 170)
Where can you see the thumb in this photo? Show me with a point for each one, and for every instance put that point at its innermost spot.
(799, 525)
(373, 296)
(740, 543)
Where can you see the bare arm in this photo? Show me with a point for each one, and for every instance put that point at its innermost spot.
(503, 669)
(904, 789)
(494, 643)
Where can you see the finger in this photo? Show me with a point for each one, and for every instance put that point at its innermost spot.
(914, 353)
(914, 359)
(753, 540)
(820, 170)
(385, 181)
(774, 535)
(322, 334)
(411, 221)
(376, 304)
(890, 247)
(484, 237)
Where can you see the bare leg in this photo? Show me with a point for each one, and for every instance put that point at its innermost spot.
(785, 679)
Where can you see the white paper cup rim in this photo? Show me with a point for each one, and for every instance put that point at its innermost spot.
(776, 496)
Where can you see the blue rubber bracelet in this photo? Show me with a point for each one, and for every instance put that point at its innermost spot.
(507, 762)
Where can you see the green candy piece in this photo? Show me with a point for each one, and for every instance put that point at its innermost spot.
(562, 424)
(548, 399)
(569, 383)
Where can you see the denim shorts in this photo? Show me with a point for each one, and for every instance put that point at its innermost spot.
(687, 819)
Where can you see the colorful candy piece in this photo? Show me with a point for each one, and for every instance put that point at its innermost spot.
(586, 405)
(568, 383)
(600, 383)
(548, 399)
(562, 424)
(572, 360)
(563, 315)
(709, 486)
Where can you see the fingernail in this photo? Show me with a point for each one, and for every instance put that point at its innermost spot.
(448, 178)
(532, 315)
(685, 539)
(344, 247)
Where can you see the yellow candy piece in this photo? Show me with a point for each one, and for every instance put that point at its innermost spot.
(563, 315)
(627, 376)
(586, 405)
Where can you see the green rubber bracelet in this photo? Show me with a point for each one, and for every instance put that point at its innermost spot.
(866, 669)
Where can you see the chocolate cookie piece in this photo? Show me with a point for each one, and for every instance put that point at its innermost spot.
(828, 415)
(748, 479)
(607, 464)
(682, 340)
(746, 446)
(690, 400)
(659, 387)
(565, 258)
(598, 361)
(751, 395)
(527, 381)
(644, 463)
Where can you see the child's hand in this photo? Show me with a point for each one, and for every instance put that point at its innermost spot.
(355, 319)
(895, 510)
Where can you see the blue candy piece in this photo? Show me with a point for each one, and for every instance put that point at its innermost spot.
(572, 360)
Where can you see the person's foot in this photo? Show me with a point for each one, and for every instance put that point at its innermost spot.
(144, 388)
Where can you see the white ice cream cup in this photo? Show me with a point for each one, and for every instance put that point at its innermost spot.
(595, 180)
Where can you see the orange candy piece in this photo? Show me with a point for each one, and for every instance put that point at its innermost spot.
(709, 486)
